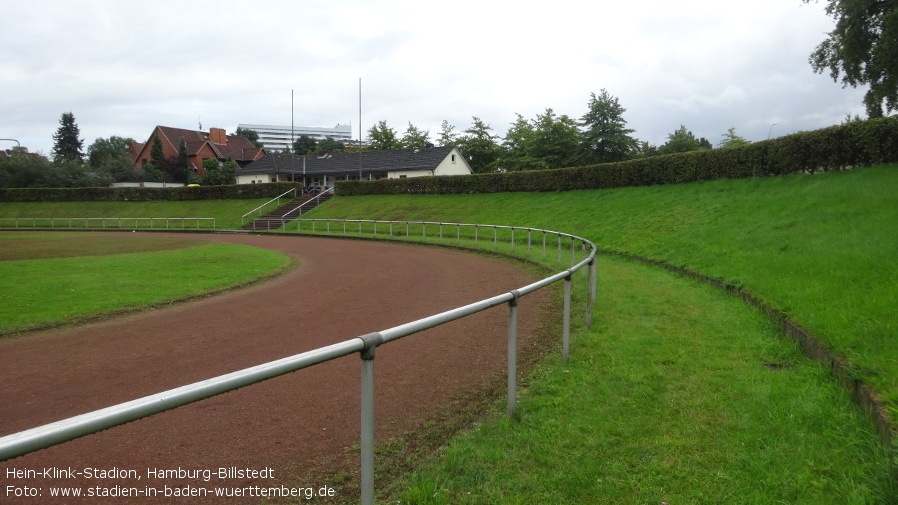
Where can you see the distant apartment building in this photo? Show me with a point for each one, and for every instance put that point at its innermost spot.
(277, 138)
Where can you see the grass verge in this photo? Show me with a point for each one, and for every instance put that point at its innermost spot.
(681, 394)
(86, 282)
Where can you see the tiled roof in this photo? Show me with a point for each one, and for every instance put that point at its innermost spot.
(372, 161)
(237, 148)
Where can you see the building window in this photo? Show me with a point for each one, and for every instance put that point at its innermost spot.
(453, 158)
(403, 176)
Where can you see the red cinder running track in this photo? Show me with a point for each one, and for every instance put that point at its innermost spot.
(303, 425)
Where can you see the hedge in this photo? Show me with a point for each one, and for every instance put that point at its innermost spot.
(850, 145)
(237, 192)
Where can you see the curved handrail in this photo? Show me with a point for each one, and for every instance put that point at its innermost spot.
(41, 437)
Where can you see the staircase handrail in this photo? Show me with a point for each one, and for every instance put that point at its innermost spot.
(266, 203)
(299, 207)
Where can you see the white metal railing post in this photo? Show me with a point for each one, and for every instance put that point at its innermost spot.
(512, 238)
(512, 353)
(371, 341)
(475, 235)
(573, 252)
(458, 233)
(559, 248)
(529, 235)
(566, 338)
(544, 244)
(495, 238)
(589, 292)
(592, 276)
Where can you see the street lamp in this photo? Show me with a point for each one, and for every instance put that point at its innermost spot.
(770, 130)
(13, 140)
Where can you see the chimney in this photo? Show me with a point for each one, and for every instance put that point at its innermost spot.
(218, 136)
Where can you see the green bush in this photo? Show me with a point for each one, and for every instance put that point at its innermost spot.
(853, 144)
(239, 192)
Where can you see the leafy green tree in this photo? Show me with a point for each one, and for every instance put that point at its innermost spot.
(304, 145)
(216, 174)
(680, 141)
(556, 140)
(251, 135)
(111, 156)
(863, 49)
(730, 139)
(478, 146)
(24, 170)
(644, 149)
(414, 137)
(517, 146)
(66, 144)
(329, 145)
(447, 134)
(606, 137)
(382, 137)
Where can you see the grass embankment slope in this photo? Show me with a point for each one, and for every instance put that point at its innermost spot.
(693, 399)
(64, 278)
(227, 213)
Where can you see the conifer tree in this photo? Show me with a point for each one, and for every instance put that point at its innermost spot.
(66, 144)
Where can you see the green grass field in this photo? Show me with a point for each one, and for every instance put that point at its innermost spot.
(227, 213)
(62, 278)
(821, 248)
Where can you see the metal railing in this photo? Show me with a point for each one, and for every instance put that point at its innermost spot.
(286, 218)
(107, 223)
(21, 443)
(260, 207)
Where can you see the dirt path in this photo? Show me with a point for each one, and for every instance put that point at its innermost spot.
(296, 425)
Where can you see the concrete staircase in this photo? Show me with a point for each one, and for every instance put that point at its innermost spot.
(287, 212)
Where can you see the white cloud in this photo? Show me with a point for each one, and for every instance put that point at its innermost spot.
(124, 67)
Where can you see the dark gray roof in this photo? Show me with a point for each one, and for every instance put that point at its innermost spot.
(372, 161)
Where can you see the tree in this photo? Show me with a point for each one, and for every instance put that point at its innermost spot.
(447, 134)
(556, 140)
(111, 156)
(183, 157)
(157, 153)
(24, 170)
(479, 147)
(730, 139)
(680, 141)
(863, 49)
(329, 145)
(517, 147)
(381, 136)
(605, 136)
(218, 174)
(251, 135)
(304, 145)
(413, 137)
(66, 144)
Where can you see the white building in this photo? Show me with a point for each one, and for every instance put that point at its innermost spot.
(277, 138)
(324, 170)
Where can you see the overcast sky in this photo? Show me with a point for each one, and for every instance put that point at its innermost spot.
(124, 67)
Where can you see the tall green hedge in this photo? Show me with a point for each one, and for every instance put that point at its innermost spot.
(854, 144)
(237, 192)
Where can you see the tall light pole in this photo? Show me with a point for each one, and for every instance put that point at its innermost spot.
(360, 129)
(770, 130)
(20, 145)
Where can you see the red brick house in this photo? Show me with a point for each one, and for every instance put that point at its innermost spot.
(201, 146)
